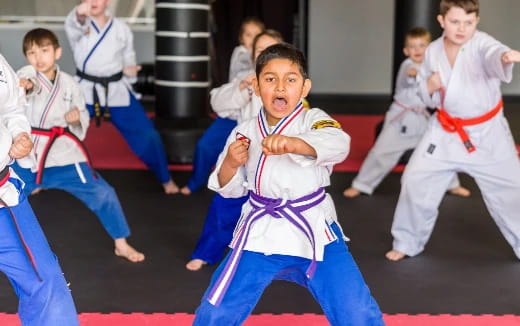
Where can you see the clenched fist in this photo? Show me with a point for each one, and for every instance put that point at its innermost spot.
(21, 147)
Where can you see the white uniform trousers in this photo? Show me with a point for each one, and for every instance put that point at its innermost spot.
(383, 157)
(423, 184)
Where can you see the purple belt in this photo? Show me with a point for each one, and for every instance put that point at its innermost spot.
(277, 208)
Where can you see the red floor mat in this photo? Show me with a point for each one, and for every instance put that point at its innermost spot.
(181, 319)
(109, 150)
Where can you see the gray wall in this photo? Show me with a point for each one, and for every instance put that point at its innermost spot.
(350, 46)
(350, 43)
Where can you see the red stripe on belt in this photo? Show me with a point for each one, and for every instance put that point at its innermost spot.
(453, 124)
(53, 133)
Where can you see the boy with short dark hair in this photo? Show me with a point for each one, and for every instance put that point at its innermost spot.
(461, 75)
(405, 122)
(25, 256)
(288, 230)
(236, 101)
(59, 120)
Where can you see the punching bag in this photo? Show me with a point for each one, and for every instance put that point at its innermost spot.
(181, 74)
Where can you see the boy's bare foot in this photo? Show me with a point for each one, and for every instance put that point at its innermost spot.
(351, 192)
(170, 188)
(123, 249)
(36, 191)
(185, 191)
(195, 265)
(460, 191)
(394, 255)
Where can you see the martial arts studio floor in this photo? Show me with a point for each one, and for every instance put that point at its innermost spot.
(467, 270)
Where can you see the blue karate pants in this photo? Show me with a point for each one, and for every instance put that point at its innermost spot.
(337, 285)
(207, 150)
(140, 134)
(95, 193)
(45, 302)
(223, 215)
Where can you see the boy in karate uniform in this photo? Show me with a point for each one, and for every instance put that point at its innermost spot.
(59, 120)
(461, 75)
(405, 122)
(283, 159)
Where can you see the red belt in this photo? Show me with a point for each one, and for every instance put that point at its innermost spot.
(54, 133)
(451, 124)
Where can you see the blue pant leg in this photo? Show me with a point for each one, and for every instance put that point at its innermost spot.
(207, 150)
(95, 193)
(217, 232)
(254, 273)
(28, 178)
(45, 302)
(341, 290)
(142, 137)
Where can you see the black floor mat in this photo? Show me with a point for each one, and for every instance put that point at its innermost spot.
(467, 266)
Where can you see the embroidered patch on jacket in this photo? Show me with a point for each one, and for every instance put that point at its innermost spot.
(431, 148)
(325, 124)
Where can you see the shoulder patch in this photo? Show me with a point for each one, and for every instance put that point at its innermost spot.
(325, 124)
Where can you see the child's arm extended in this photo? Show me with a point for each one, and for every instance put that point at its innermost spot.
(77, 117)
(280, 144)
(407, 84)
(28, 80)
(324, 143)
(511, 56)
(498, 58)
(228, 99)
(75, 23)
(130, 66)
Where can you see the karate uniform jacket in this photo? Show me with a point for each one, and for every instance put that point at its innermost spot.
(472, 89)
(47, 104)
(287, 176)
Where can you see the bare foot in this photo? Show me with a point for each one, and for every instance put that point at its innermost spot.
(351, 192)
(460, 191)
(394, 255)
(36, 191)
(185, 191)
(123, 249)
(195, 265)
(170, 188)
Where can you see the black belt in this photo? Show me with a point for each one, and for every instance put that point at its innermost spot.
(54, 133)
(103, 81)
(4, 175)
